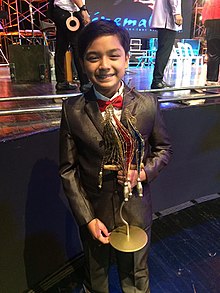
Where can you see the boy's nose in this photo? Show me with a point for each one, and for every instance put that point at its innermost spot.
(104, 63)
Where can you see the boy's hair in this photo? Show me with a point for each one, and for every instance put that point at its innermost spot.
(101, 28)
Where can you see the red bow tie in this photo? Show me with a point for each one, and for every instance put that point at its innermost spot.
(116, 103)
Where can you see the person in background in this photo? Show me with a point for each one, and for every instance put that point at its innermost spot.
(104, 51)
(167, 20)
(211, 20)
(59, 12)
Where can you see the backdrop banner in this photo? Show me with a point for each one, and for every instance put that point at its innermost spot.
(135, 15)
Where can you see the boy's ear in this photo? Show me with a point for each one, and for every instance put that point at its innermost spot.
(127, 56)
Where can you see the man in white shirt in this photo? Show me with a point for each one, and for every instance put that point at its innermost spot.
(60, 11)
(167, 20)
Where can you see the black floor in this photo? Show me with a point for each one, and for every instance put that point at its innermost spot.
(185, 254)
(185, 251)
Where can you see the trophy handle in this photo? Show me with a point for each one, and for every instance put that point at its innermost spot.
(123, 220)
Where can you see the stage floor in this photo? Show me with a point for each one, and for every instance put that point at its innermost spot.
(140, 78)
(42, 114)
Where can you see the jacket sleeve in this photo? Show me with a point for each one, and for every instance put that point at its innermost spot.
(160, 147)
(176, 6)
(78, 200)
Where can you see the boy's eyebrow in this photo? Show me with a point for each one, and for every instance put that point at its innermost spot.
(110, 51)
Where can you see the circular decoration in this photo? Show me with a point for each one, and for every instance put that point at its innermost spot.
(70, 20)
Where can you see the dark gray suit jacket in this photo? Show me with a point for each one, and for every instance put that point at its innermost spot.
(81, 153)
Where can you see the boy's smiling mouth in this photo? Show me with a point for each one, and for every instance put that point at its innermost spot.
(104, 76)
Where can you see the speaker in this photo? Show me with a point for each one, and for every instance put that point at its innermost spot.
(29, 63)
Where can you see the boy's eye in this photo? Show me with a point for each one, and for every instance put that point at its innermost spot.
(92, 58)
(115, 56)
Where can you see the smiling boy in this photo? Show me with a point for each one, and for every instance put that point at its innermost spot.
(104, 52)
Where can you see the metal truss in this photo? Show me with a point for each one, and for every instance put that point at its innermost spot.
(198, 27)
(23, 17)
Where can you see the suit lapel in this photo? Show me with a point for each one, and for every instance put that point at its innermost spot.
(92, 110)
(128, 104)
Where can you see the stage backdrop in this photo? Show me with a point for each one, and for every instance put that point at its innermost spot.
(134, 15)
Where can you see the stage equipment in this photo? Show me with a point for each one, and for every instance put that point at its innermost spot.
(3, 14)
(48, 29)
(23, 20)
(68, 66)
(3, 59)
(29, 63)
(122, 145)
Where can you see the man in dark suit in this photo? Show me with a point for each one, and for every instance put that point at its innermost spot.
(104, 51)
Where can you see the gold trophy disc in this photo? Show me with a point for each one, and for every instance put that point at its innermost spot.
(128, 240)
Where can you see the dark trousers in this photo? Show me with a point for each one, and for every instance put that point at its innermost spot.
(213, 52)
(66, 39)
(166, 39)
(132, 266)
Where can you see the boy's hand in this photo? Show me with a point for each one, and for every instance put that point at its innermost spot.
(133, 176)
(98, 231)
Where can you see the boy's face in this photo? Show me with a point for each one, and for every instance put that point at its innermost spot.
(105, 62)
